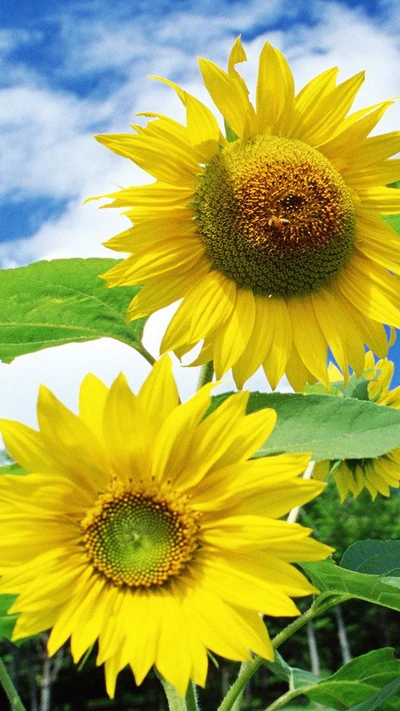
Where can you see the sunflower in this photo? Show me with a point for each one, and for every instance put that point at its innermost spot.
(144, 526)
(376, 475)
(271, 236)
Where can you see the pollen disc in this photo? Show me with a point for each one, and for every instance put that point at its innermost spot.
(139, 540)
(275, 216)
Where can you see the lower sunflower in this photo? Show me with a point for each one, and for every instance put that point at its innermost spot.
(272, 237)
(377, 475)
(144, 526)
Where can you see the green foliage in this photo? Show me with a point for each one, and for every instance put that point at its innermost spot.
(359, 680)
(365, 679)
(63, 301)
(373, 557)
(342, 584)
(7, 622)
(329, 427)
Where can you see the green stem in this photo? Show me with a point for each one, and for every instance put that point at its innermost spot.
(191, 698)
(237, 704)
(245, 674)
(247, 671)
(289, 696)
(206, 374)
(175, 701)
(139, 347)
(318, 607)
(10, 689)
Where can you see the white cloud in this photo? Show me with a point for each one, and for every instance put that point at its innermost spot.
(47, 146)
(13, 38)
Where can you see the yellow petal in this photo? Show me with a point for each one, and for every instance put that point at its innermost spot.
(308, 99)
(203, 129)
(308, 337)
(261, 340)
(230, 97)
(232, 337)
(173, 442)
(229, 631)
(159, 394)
(92, 398)
(331, 111)
(213, 437)
(170, 164)
(168, 257)
(367, 293)
(279, 352)
(275, 92)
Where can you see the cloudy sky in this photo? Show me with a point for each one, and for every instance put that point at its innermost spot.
(73, 69)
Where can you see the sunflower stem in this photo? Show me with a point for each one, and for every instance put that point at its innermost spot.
(289, 696)
(175, 701)
(10, 689)
(139, 347)
(248, 670)
(206, 374)
(293, 514)
(191, 698)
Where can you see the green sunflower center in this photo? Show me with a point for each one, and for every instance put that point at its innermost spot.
(139, 540)
(275, 216)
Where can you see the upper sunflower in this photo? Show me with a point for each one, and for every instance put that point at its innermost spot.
(273, 239)
(144, 526)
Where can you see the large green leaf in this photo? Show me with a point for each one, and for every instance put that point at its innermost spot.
(63, 301)
(359, 680)
(357, 686)
(328, 426)
(376, 701)
(331, 579)
(373, 557)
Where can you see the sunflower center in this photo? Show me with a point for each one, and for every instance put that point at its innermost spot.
(275, 216)
(139, 539)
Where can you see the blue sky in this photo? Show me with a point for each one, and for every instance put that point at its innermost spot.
(72, 69)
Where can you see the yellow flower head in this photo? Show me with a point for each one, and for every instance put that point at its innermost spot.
(272, 237)
(379, 474)
(144, 526)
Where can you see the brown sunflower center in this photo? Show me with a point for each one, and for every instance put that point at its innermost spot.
(275, 216)
(138, 539)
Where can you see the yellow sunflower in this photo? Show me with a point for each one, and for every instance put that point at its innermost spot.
(272, 237)
(145, 527)
(376, 475)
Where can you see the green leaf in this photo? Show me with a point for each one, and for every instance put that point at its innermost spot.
(63, 301)
(375, 702)
(295, 677)
(359, 680)
(7, 622)
(331, 579)
(373, 557)
(328, 426)
(371, 678)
